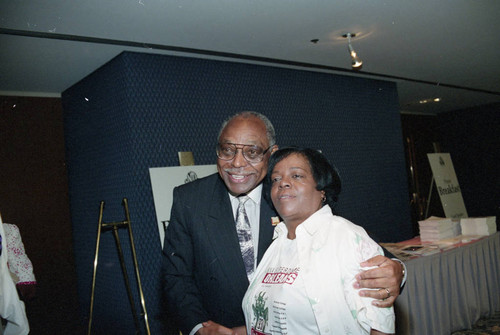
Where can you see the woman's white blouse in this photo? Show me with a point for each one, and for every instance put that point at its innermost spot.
(304, 286)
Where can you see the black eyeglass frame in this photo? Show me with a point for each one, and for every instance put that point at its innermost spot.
(237, 147)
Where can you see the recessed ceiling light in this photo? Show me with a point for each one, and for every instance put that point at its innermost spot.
(424, 101)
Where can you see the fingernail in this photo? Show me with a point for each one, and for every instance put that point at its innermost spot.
(356, 285)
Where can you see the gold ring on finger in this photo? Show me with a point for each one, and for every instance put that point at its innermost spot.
(388, 293)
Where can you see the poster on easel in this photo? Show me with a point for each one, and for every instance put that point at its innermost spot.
(163, 182)
(447, 185)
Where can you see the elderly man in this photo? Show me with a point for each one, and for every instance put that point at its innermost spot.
(207, 260)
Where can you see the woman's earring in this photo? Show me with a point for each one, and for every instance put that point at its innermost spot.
(323, 199)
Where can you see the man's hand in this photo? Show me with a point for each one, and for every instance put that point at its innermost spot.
(386, 278)
(213, 328)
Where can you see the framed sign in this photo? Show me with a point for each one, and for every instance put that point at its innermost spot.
(163, 182)
(447, 185)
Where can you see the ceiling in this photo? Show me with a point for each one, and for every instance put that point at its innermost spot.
(431, 49)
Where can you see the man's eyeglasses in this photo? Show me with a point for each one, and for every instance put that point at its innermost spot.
(252, 153)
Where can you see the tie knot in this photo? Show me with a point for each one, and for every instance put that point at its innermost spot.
(243, 198)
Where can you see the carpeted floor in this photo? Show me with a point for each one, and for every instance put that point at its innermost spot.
(485, 326)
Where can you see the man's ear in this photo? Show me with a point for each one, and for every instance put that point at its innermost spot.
(274, 149)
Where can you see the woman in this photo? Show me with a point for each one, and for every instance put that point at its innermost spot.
(11, 307)
(293, 290)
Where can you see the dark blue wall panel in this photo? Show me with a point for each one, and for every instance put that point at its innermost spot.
(471, 136)
(139, 110)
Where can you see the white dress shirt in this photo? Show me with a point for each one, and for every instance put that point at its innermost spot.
(252, 207)
(329, 250)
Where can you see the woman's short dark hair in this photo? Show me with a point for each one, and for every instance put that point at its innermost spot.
(325, 175)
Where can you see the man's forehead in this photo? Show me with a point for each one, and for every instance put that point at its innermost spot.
(252, 130)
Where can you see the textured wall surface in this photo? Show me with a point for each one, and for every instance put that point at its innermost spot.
(471, 137)
(139, 110)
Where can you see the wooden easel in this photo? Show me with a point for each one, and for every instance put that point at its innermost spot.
(114, 226)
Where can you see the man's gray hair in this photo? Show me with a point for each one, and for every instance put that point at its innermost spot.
(270, 133)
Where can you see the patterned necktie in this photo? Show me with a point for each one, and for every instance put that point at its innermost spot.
(245, 235)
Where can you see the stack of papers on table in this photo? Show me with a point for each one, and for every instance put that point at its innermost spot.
(478, 226)
(434, 229)
(405, 251)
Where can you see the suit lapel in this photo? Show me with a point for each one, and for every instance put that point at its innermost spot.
(222, 232)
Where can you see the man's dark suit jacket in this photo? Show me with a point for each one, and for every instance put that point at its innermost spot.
(203, 271)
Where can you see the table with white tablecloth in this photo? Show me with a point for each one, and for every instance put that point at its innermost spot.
(450, 290)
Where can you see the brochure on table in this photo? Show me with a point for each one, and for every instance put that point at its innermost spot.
(163, 182)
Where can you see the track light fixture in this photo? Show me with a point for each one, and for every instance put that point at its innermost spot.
(356, 62)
